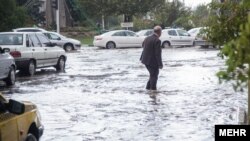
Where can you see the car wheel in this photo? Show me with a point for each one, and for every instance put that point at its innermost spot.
(166, 45)
(110, 45)
(31, 68)
(10, 80)
(68, 47)
(30, 137)
(60, 64)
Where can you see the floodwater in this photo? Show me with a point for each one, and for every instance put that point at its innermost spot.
(102, 96)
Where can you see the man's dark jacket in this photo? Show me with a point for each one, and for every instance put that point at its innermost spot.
(151, 54)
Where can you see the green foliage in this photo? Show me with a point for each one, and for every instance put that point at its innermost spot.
(229, 26)
(225, 20)
(11, 16)
(173, 13)
(200, 16)
(237, 52)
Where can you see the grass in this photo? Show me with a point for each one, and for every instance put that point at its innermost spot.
(86, 40)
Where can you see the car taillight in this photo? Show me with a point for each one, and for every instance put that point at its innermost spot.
(15, 54)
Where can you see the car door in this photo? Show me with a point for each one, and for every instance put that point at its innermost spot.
(5, 64)
(133, 40)
(2, 65)
(185, 38)
(37, 50)
(120, 39)
(8, 127)
(171, 36)
(55, 39)
(50, 52)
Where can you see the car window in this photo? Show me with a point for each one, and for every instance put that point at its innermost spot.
(47, 35)
(172, 33)
(149, 33)
(11, 39)
(182, 33)
(35, 41)
(43, 39)
(54, 36)
(119, 34)
(130, 33)
(28, 41)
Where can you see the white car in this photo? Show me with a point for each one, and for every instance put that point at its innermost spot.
(200, 37)
(7, 67)
(176, 37)
(118, 38)
(194, 31)
(66, 43)
(145, 32)
(32, 50)
(29, 29)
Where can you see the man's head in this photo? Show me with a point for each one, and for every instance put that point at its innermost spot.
(157, 30)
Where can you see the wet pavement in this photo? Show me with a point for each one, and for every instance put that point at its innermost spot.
(102, 96)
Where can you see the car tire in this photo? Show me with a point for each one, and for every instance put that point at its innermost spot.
(10, 80)
(31, 69)
(30, 137)
(68, 47)
(166, 45)
(110, 45)
(60, 64)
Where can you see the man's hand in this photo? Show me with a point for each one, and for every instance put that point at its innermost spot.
(160, 67)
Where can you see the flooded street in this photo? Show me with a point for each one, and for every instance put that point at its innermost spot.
(102, 96)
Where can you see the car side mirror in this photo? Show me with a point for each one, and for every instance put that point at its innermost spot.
(58, 38)
(16, 107)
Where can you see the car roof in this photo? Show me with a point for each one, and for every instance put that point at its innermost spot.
(30, 28)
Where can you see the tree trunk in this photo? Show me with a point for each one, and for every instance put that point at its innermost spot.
(103, 22)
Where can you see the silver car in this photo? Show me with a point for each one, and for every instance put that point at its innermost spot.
(66, 43)
(33, 50)
(7, 67)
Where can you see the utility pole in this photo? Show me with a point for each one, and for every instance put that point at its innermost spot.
(56, 6)
(57, 17)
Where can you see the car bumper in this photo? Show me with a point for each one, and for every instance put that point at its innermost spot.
(22, 63)
(98, 43)
(202, 43)
(40, 130)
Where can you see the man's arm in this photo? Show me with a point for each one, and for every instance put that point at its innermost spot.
(158, 53)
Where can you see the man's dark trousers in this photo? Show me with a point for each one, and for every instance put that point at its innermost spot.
(152, 82)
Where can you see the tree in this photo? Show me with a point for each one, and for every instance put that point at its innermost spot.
(173, 14)
(225, 20)
(200, 15)
(229, 27)
(11, 16)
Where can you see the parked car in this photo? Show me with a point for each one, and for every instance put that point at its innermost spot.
(66, 43)
(29, 29)
(118, 38)
(33, 50)
(201, 37)
(145, 32)
(7, 67)
(194, 31)
(176, 37)
(19, 121)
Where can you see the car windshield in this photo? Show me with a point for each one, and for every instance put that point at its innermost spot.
(11, 39)
(141, 33)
